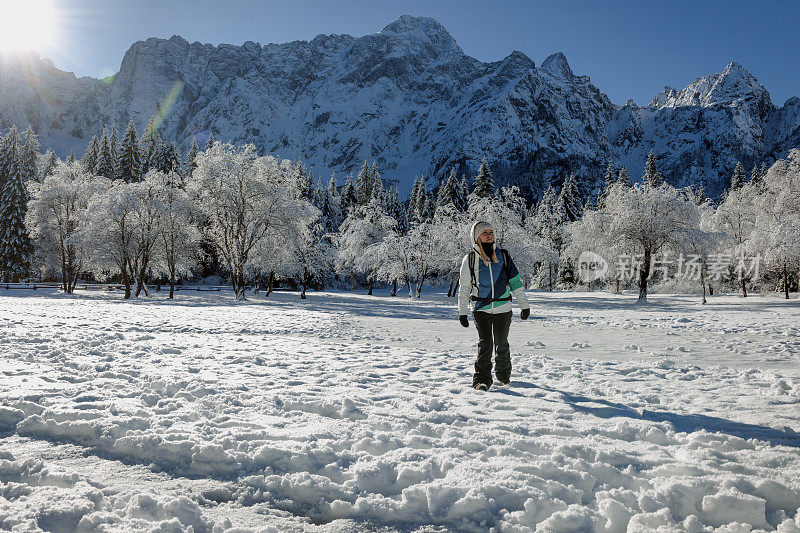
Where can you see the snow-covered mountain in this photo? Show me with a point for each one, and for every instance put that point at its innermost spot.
(700, 132)
(409, 98)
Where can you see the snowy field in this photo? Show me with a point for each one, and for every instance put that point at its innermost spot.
(345, 412)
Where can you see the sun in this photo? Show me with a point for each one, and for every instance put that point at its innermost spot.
(26, 25)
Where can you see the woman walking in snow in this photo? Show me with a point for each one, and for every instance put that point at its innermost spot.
(488, 277)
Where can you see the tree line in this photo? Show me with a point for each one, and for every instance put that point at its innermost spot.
(136, 210)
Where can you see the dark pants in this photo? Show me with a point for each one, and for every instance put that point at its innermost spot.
(492, 333)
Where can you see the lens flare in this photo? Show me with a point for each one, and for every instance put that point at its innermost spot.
(26, 25)
(169, 101)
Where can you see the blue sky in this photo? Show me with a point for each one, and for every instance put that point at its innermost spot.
(629, 49)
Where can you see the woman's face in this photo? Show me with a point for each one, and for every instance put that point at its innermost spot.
(487, 236)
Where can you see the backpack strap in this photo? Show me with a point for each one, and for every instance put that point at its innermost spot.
(472, 268)
(505, 264)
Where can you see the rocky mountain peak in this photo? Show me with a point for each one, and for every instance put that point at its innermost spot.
(735, 86)
(557, 65)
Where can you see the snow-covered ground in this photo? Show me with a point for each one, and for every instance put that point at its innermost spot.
(345, 412)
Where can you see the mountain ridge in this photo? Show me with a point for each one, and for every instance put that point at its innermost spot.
(409, 98)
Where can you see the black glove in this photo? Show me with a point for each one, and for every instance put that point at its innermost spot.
(524, 314)
(463, 320)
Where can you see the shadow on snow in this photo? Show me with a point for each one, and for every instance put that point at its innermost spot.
(686, 423)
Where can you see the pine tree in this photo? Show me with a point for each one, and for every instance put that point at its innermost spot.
(419, 204)
(652, 176)
(210, 142)
(52, 161)
(484, 183)
(150, 147)
(71, 157)
(304, 180)
(89, 160)
(412, 199)
(16, 248)
(29, 155)
(114, 148)
(348, 195)
(754, 174)
(737, 178)
(396, 210)
(105, 161)
(378, 190)
(448, 192)
(190, 164)
(570, 199)
(463, 195)
(364, 184)
(333, 200)
(128, 164)
(609, 179)
(624, 178)
(9, 156)
(169, 158)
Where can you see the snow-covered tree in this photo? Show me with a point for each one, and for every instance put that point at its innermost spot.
(424, 253)
(649, 220)
(128, 161)
(47, 165)
(462, 198)
(776, 235)
(109, 230)
(590, 234)
(89, 159)
(364, 227)
(737, 178)
(652, 176)
(71, 157)
(609, 179)
(484, 182)
(348, 196)
(450, 231)
(29, 156)
(378, 189)
(571, 199)
(178, 235)
(736, 216)
(546, 221)
(448, 191)
(364, 184)
(169, 159)
(147, 220)
(16, 247)
(624, 178)
(394, 208)
(105, 165)
(189, 165)
(56, 209)
(244, 198)
(395, 249)
(150, 147)
(330, 205)
(311, 254)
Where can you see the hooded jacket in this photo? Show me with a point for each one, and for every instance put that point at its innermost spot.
(492, 282)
